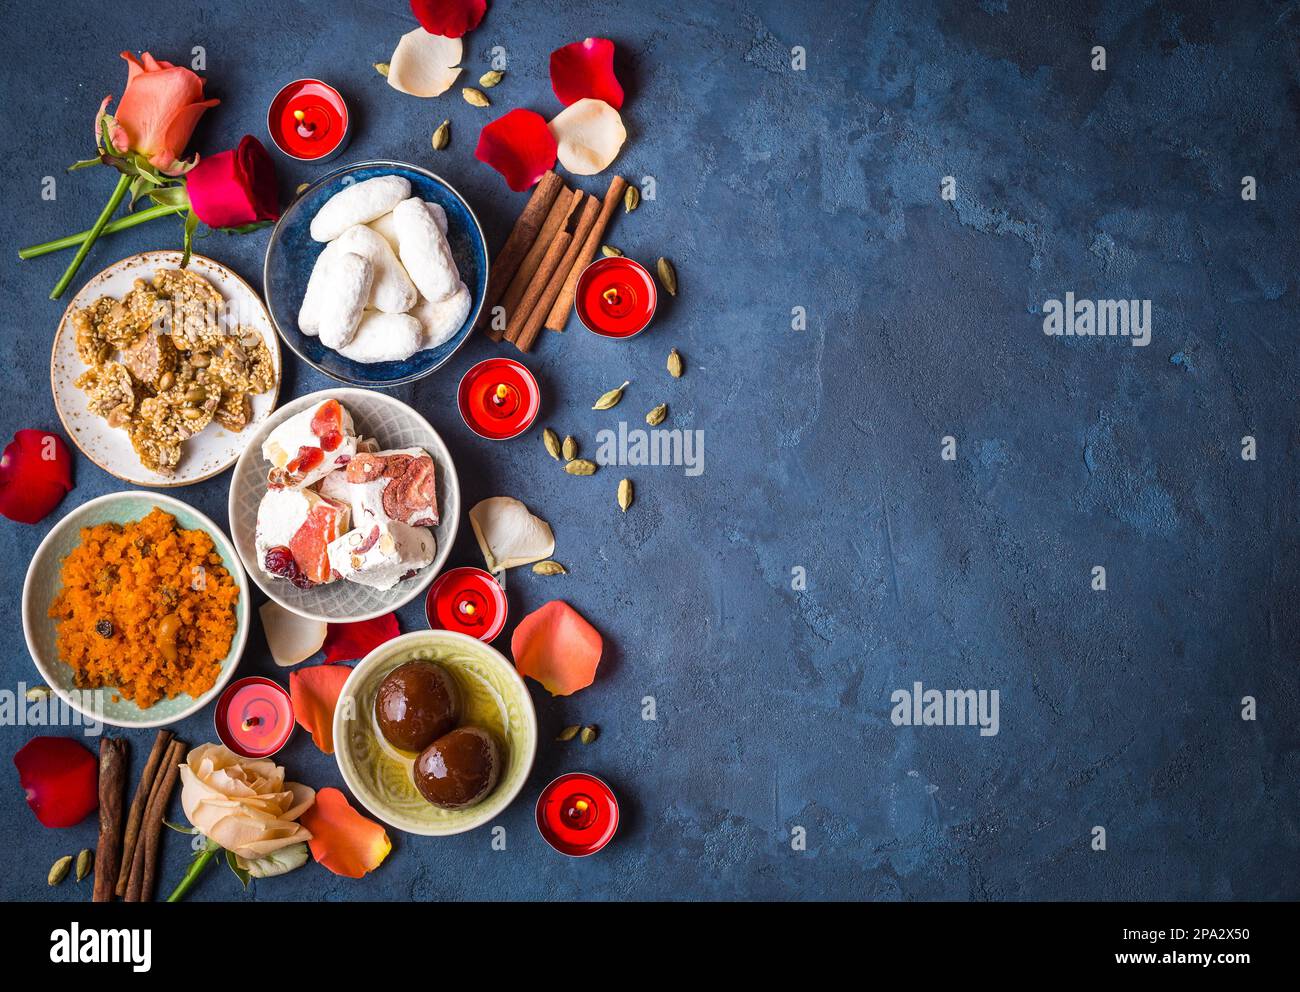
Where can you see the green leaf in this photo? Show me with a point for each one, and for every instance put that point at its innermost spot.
(245, 228)
(85, 163)
(179, 829)
(170, 196)
(279, 862)
(191, 222)
(233, 863)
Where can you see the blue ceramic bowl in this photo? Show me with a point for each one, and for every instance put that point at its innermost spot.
(292, 253)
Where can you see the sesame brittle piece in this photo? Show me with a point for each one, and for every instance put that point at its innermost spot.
(152, 360)
(110, 392)
(196, 309)
(92, 348)
(136, 313)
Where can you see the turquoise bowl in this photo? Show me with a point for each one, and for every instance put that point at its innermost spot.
(44, 582)
(292, 253)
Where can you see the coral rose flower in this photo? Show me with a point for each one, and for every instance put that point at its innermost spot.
(158, 112)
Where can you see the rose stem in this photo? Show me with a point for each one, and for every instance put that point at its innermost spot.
(112, 227)
(191, 876)
(123, 182)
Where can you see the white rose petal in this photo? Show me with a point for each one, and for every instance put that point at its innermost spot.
(423, 64)
(589, 134)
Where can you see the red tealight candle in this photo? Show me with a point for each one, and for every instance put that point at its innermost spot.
(309, 121)
(577, 814)
(616, 297)
(254, 717)
(468, 600)
(499, 399)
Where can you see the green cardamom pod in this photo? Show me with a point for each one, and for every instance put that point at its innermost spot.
(475, 98)
(580, 466)
(302, 188)
(656, 416)
(38, 692)
(675, 367)
(552, 442)
(631, 199)
(589, 733)
(549, 568)
(84, 860)
(490, 78)
(382, 69)
(667, 275)
(609, 251)
(568, 733)
(442, 136)
(610, 399)
(625, 494)
(570, 448)
(59, 870)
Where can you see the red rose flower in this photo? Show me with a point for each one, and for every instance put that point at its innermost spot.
(235, 188)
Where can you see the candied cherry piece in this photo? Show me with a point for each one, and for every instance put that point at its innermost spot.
(308, 458)
(328, 419)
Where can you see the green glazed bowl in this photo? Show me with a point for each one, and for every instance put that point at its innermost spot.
(379, 775)
(44, 582)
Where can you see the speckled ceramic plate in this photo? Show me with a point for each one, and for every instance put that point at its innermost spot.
(292, 254)
(209, 452)
(44, 582)
(394, 425)
(379, 775)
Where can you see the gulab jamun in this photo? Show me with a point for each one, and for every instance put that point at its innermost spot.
(417, 703)
(459, 769)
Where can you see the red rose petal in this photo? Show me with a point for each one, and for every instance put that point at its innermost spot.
(351, 641)
(61, 778)
(35, 474)
(315, 695)
(586, 69)
(450, 18)
(519, 146)
(558, 648)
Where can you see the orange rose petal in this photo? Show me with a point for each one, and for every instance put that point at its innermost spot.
(315, 694)
(558, 648)
(342, 839)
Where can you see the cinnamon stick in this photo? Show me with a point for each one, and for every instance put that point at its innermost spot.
(521, 238)
(537, 289)
(112, 787)
(138, 805)
(533, 326)
(558, 220)
(559, 315)
(144, 873)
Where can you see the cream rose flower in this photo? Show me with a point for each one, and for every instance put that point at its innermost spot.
(243, 804)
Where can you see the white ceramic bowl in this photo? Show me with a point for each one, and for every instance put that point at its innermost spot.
(44, 581)
(394, 425)
(495, 698)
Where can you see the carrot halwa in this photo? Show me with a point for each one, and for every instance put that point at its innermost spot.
(146, 608)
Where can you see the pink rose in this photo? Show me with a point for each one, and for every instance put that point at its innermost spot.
(158, 111)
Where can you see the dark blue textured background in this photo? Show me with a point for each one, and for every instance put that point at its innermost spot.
(821, 189)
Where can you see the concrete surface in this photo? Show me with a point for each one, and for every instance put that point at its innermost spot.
(820, 189)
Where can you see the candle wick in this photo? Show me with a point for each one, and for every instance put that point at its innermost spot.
(252, 722)
(611, 295)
